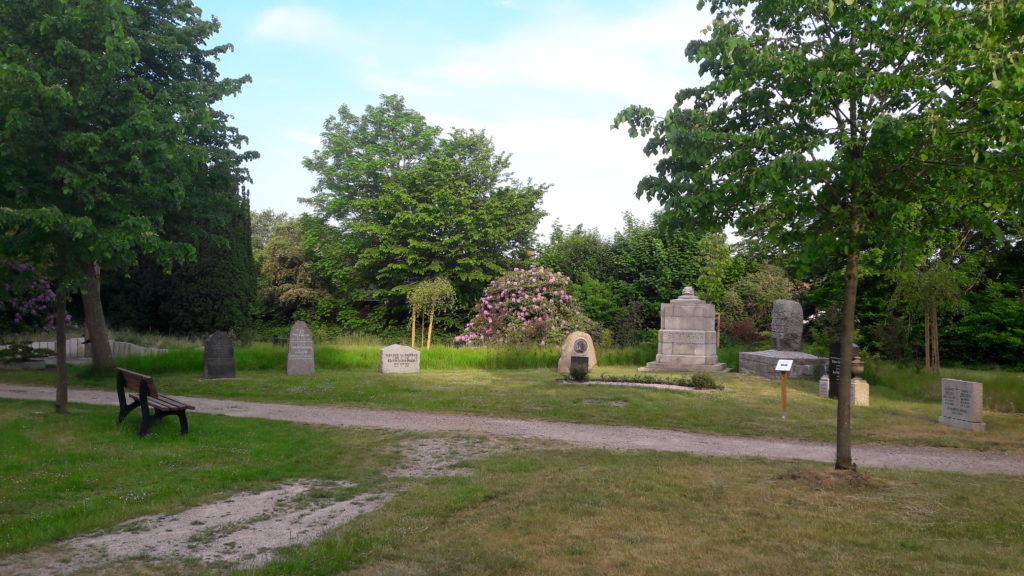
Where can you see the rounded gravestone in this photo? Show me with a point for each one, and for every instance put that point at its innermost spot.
(577, 344)
(300, 350)
(787, 325)
(218, 356)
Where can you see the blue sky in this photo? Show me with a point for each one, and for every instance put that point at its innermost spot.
(544, 79)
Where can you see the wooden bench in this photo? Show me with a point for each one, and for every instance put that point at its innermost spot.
(145, 396)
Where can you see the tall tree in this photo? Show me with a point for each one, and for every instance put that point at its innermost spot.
(398, 203)
(108, 120)
(827, 125)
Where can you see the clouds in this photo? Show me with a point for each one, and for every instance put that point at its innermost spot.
(544, 78)
(300, 25)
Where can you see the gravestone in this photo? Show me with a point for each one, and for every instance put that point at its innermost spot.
(787, 325)
(787, 333)
(398, 359)
(962, 405)
(218, 356)
(834, 351)
(577, 344)
(300, 350)
(687, 340)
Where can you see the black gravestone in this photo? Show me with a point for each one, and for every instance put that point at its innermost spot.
(834, 351)
(218, 357)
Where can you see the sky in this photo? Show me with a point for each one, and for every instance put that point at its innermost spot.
(543, 78)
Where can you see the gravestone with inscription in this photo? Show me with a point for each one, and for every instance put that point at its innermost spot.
(787, 325)
(787, 333)
(962, 405)
(300, 350)
(577, 344)
(687, 340)
(398, 359)
(218, 356)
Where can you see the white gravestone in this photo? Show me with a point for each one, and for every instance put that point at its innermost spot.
(300, 350)
(398, 359)
(962, 405)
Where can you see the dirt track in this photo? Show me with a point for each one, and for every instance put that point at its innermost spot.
(587, 435)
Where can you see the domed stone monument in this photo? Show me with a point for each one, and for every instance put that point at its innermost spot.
(687, 341)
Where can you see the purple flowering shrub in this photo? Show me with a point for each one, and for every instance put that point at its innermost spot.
(26, 300)
(525, 307)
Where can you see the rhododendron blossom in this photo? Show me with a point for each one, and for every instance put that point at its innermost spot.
(525, 306)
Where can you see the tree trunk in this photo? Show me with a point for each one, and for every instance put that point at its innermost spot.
(927, 341)
(95, 323)
(934, 340)
(430, 328)
(61, 345)
(844, 458)
(412, 339)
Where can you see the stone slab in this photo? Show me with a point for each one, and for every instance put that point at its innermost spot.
(962, 404)
(398, 359)
(218, 356)
(787, 325)
(300, 350)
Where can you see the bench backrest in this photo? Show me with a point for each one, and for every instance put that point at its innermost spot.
(133, 380)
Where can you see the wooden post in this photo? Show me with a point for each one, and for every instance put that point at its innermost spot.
(784, 378)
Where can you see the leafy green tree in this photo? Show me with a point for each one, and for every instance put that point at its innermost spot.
(108, 120)
(290, 286)
(263, 224)
(398, 202)
(832, 125)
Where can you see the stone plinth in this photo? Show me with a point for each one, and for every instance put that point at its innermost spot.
(762, 363)
(300, 350)
(398, 359)
(962, 405)
(687, 341)
(860, 390)
(577, 344)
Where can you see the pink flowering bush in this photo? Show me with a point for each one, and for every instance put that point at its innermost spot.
(525, 307)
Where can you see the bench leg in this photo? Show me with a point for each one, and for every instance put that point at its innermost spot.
(183, 420)
(144, 426)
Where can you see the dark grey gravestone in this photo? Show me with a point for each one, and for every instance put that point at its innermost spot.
(787, 325)
(300, 350)
(218, 357)
(579, 364)
(834, 350)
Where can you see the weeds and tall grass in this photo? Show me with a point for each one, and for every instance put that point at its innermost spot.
(1003, 391)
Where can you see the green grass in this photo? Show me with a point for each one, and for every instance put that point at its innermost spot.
(529, 510)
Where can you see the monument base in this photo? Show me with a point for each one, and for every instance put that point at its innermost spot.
(762, 363)
(667, 365)
(962, 424)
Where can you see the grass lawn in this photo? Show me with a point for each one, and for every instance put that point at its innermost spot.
(533, 509)
(748, 406)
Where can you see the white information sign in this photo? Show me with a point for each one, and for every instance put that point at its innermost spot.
(784, 366)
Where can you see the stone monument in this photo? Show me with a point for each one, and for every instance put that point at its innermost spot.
(687, 340)
(398, 359)
(962, 405)
(218, 356)
(577, 344)
(787, 333)
(828, 385)
(300, 350)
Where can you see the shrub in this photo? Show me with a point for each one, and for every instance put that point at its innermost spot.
(529, 306)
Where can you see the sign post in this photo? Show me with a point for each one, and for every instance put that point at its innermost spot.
(783, 367)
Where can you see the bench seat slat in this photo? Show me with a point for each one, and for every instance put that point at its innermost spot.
(165, 403)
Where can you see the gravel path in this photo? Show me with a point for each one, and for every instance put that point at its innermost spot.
(586, 435)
